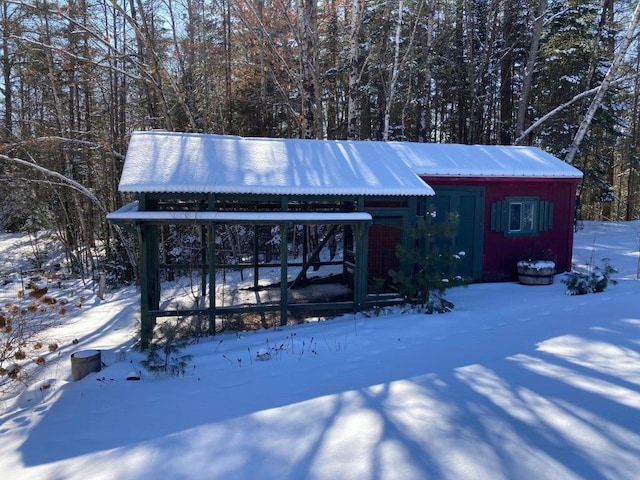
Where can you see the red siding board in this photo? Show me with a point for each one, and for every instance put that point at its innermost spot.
(500, 252)
(383, 240)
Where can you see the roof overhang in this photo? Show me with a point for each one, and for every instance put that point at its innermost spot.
(131, 213)
(460, 179)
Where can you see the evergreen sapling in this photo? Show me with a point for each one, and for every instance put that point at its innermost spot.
(427, 263)
(165, 351)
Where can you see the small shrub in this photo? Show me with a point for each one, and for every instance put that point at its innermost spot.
(13, 372)
(38, 292)
(22, 324)
(165, 351)
(593, 280)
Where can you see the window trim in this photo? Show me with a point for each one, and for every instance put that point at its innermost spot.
(533, 202)
(542, 216)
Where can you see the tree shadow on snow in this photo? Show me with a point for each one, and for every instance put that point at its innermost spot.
(489, 403)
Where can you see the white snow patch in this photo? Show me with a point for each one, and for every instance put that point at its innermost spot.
(515, 381)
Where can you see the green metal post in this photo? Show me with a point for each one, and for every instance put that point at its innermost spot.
(211, 250)
(256, 268)
(203, 269)
(211, 247)
(284, 282)
(284, 264)
(361, 231)
(149, 281)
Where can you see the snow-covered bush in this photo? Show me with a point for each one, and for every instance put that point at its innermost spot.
(592, 280)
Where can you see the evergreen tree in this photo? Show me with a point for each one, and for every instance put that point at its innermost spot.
(165, 351)
(427, 266)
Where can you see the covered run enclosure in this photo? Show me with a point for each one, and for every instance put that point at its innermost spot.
(277, 218)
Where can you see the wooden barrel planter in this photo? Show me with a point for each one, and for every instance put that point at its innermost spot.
(85, 362)
(538, 272)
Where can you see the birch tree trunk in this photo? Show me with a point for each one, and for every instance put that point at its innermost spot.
(604, 86)
(543, 119)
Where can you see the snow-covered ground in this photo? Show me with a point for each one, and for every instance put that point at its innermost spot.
(518, 382)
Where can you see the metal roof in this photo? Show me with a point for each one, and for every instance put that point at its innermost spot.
(159, 161)
(131, 212)
(451, 160)
(198, 163)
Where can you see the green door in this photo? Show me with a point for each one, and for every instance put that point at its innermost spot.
(468, 204)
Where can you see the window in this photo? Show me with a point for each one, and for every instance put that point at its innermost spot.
(521, 216)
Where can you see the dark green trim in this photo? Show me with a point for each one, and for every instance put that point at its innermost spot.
(542, 220)
(149, 281)
(284, 281)
(355, 266)
(211, 249)
(471, 227)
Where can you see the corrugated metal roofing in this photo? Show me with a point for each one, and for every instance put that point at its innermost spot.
(160, 161)
(197, 163)
(450, 160)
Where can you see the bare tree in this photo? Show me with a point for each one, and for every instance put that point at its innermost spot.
(356, 63)
(536, 34)
(427, 53)
(310, 67)
(69, 183)
(398, 62)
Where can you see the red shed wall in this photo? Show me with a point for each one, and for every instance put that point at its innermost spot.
(383, 240)
(501, 253)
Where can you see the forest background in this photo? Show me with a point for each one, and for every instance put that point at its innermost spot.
(78, 76)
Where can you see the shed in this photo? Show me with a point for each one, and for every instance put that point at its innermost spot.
(513, 203)
(335, 207)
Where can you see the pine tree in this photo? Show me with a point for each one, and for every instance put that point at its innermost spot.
(165, 352)
(428, 264)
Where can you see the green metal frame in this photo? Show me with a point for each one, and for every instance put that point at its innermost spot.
(403, 208)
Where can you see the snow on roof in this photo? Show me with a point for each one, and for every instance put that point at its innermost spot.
(450, 160)
(131, 212)
(196, 163)
(159, 161)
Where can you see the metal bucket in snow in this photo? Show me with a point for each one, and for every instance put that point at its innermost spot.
(85, 362)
